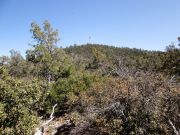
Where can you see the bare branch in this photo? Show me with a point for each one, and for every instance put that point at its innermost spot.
(41, 129)
(174, 128)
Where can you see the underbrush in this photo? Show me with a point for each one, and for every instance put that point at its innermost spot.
(141, 103)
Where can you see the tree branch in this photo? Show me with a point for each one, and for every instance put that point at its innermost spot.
(174, 128)
(40, 130)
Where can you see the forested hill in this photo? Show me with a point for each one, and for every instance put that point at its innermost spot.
(110, 51)
(167, 61)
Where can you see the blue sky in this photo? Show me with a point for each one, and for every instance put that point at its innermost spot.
(146, 24)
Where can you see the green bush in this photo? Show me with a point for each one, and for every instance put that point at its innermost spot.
(19, 100)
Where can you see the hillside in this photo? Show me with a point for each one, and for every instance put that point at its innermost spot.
(138, 59)
(89, 89)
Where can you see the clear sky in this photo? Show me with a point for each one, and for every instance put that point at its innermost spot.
(146, 24)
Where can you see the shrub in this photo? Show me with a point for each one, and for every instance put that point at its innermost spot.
(19, 100)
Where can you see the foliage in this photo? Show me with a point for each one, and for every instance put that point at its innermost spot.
(18, 101)
(138, 59)
(172, 60)
(66, 90)
(141, 104)
(45, 55)
(102, 89)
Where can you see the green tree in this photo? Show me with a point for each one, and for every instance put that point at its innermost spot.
(97, 60)
(17, 64)
(48, 58)
(172, 60)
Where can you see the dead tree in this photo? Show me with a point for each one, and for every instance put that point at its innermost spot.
(40, 130)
